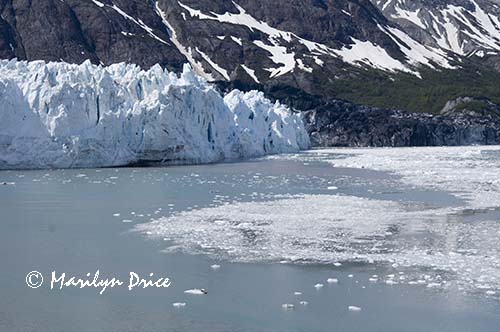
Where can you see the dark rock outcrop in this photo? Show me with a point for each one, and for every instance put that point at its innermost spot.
(344, 124)
(76, 30)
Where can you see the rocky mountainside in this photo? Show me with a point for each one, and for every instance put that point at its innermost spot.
(465, 27)
(414, 55)
(223, 40)
(464, 121)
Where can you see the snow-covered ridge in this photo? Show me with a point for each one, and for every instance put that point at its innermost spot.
(358, 53)
(470, 27)
(60, 115)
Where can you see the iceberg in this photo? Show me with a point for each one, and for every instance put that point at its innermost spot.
(60, 115)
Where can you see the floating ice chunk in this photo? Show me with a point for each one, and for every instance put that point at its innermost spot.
(337, 264)
(220, 222)
(179, 304)
(354, 308)
(297, 293)
(127, 221)
(215, 267)
(196, 291)
(350, 276)
(304, 303)
(116, 215)
(433, 285)
(332, 280)
(288, 306)
(490, 292)
(332, 188)
(319, 286)
(372, 279)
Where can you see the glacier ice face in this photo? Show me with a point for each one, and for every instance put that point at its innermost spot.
(58, 115)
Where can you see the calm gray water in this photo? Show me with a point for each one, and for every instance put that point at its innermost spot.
(64, 221)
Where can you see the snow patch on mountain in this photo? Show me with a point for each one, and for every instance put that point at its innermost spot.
(57, 115)
(186, 51)
(251, 73)
(367, 53)
(279, 45)
(138, 22)
(462, 27)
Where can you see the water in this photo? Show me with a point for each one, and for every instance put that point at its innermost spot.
(275, 226)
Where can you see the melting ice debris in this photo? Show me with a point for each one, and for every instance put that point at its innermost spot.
(319, 286)
(437, 168)
(332, 280)
(354, 308)
(116, 215)
(297, 293)
(337, 264)
(304, 303)
(285, 233)
(179, 304)
(196, 291)
(215, 267)
(59, 115)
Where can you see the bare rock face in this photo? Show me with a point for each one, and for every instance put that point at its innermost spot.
(344, 124)
(74, 31)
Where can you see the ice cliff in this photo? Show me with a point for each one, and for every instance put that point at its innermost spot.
(58, 115)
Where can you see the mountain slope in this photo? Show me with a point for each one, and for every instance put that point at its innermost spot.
(223, 37)
(465, 27)
(315, 48)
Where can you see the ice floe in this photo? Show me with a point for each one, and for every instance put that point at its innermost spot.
(288, 306)
(471, 173)
(196, 291)
(179, 304)
(331, 228)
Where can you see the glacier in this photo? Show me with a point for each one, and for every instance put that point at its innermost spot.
(60, 115)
